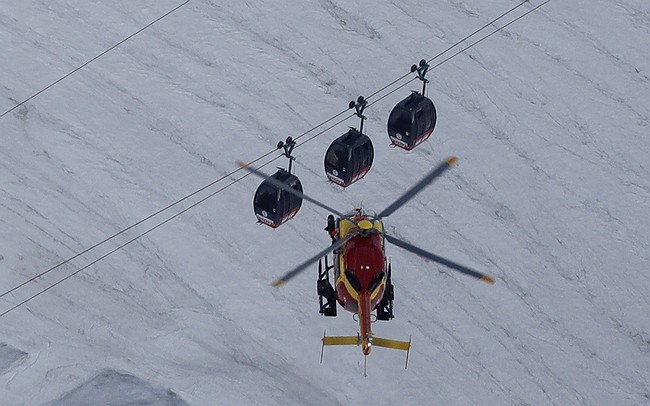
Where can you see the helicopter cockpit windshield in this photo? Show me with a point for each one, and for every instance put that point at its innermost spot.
(354, 281)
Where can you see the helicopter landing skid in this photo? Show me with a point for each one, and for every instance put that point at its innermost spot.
(385, 307)
(326, 293)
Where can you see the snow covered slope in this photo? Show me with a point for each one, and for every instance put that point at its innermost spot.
(550, 119)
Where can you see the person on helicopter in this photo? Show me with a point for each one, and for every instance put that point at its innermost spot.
(331, 228)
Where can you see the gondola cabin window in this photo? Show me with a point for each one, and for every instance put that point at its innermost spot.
(399, 124)
(337, 158)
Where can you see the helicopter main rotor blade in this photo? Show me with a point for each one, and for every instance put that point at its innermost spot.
(424, 182)
(438, 259)
(291, 190)
(295, 271)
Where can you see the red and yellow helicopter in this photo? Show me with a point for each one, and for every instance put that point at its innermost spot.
(361, 274)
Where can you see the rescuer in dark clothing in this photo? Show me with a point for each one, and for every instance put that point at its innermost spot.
(331, 228)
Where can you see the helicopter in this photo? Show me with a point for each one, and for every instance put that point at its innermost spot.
(361, 272)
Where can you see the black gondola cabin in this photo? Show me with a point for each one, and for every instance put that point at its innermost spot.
(412, 121)
(274, 206)
(349, 158)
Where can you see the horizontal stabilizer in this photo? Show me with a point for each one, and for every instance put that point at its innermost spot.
(394, 344)
(374, 341)
(341, 340)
